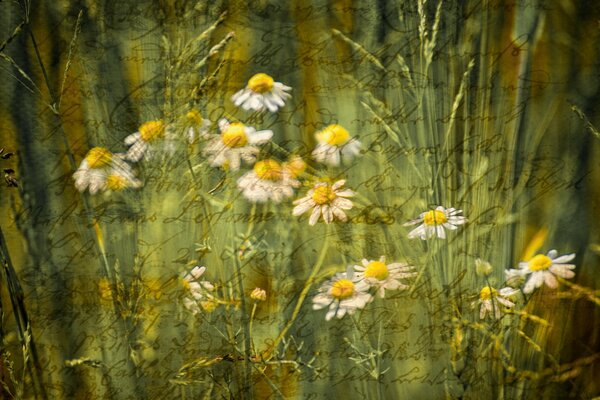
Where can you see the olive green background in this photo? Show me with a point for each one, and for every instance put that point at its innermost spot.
(515, 157)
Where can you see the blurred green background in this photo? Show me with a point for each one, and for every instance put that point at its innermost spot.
(533, 61)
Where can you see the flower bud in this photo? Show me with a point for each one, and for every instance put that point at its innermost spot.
(258, 294)
(483, 268)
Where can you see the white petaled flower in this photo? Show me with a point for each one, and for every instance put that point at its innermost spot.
(268, 180)
(325, 200)
(544, 269)
(140, 142)
(102, 170)
(434, 223)
(334, 145)
(382, 276)
(235, 142)
(343, 294)
(196, 126)
(491, 299)
(262, 92)
(200, 291)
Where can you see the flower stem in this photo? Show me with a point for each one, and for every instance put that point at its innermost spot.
(250, 329)
(267, 354)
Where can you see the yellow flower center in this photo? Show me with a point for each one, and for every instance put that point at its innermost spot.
(342, 289)
(434, 217)
(539, 262)
(377, 270)
(235, 135)
(487, 293)
(334, 135)
(323, 194)
(186, 284)
(209, 305)
(98, 157)
(193, 117)
(116, 182)
(296, 166)
(260, 83)
(268, 170)
(151, 130)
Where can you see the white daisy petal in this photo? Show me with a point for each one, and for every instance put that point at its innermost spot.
(260, 137)
(563, 259)
(563, 270)
(550, 280)
(315, 215)
(535, 280)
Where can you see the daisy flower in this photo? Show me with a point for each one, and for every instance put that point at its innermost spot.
(335, 145)
(267, 180)
(260, 93)
(382, 276)
(196, 126)
(544, 269)
(198, 290)
(433, 223)
(102, 170)
(235, 142)
(327, 200)
(490, 299)
(343, 294)
(140, 142)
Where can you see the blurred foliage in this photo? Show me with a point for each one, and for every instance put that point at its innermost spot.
(467, 104)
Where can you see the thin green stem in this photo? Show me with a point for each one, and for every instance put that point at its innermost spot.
(302, 296)
(250, 329)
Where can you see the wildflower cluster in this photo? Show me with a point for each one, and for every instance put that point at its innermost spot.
(530, 275)
(102, 170)
(352, 290)
(234, 145)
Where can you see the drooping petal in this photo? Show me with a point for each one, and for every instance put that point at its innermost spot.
(260, 137)
(563, 259)
(563, 270)
(550, 280)
(535, 281)
(314, 217)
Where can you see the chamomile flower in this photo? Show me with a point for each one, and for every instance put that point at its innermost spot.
(102, 170)
(544, 269)
(195, 126)
(200, 291)
(268, 180)
(235, 142)
(141, 141)
(262, 92)
(327, 200)
(490, 300)
(434, 223)
(334, 145)
(343, 294)
(382, 276)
